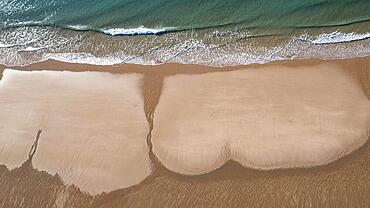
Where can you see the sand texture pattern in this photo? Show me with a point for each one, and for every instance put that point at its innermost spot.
(274, 117)
(94, 126)
(341, 183)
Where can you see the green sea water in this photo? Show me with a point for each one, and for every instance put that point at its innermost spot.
(238, 26)
(183, 14)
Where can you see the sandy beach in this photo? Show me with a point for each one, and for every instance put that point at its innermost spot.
(123, 133)
(79, 144)
(182, 104)
(267, 118)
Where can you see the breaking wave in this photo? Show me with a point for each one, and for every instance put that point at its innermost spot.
(335, 37)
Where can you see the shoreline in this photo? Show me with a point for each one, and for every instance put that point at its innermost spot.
(359, 68)
(233, 46)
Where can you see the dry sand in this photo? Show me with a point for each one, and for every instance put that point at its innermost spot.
(274, 117)
(94, 126)
(343, 183)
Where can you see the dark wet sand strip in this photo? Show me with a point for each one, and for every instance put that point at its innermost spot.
(344, 183)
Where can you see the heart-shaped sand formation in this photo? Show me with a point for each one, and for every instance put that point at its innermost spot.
(263, 118)
(94, 126)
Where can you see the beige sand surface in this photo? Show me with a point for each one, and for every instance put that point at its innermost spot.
(265, 118)
(94, 126)
(343, 183)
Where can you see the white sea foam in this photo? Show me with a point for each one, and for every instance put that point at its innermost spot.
(82, 58)
(7, 45)
(24, 46)
(27, 23)
(31, 49)
(334, 37)
(78, 27)
(134, 31)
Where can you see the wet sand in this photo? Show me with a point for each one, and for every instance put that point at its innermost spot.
(343, 183)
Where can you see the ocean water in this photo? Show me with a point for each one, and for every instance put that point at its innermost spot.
(212, 32)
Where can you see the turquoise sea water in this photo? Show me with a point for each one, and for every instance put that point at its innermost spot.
(241, 28)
